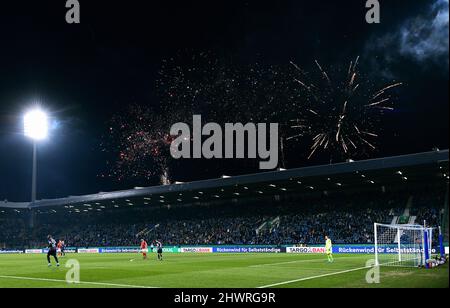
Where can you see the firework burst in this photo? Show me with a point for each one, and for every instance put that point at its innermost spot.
(340, 114)
(139, 142)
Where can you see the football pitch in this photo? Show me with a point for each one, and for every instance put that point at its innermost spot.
(212, 271)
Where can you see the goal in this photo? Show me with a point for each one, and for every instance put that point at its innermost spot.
(402, 245)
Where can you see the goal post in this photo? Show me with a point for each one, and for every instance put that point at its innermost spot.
(402, 245)
(441, 243)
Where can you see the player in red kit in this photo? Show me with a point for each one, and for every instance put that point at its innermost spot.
(59, 248)
(144, 248)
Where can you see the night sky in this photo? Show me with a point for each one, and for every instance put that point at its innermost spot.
(85, 74)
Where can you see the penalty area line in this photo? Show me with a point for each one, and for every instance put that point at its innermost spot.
(314, 277)
(106, 284)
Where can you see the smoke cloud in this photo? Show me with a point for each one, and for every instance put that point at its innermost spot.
(422, 38)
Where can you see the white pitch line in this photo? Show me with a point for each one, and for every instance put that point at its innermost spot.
(314, 277)
(301, 261)
(81, 282)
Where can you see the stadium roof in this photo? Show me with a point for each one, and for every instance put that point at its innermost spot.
(426, 167)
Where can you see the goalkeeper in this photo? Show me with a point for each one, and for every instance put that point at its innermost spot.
(329, 249)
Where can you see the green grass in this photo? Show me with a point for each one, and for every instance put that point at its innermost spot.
(212, 271)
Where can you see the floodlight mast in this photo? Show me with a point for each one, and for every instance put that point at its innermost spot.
(35, 128)
(33, 180)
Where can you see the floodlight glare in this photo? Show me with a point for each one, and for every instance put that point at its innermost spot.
(36, 124)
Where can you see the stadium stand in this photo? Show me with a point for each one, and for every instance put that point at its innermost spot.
(293, 207)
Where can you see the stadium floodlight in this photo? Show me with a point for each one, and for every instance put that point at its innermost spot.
(36, 124)
(36, 128)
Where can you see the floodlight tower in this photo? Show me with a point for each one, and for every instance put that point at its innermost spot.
(35, 128)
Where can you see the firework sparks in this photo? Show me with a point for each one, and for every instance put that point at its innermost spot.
(139, 141)
(337, 112)
(223, 91)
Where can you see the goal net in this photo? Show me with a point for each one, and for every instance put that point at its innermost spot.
(402, 245)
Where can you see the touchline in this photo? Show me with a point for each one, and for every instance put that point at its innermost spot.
(230, 143)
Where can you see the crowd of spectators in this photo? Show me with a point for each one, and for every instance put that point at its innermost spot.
(345, 223)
